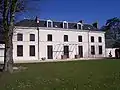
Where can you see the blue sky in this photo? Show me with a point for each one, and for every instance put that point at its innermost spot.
(73, 10)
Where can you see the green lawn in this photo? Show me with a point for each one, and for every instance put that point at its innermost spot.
(75, 75)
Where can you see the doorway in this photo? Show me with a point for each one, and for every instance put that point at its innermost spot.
(66, 51)
(50, 52)
(80, 51)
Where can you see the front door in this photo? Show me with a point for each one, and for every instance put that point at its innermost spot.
(80, 51)
(50, 52)
(66, 51)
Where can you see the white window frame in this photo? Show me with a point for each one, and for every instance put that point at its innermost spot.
(50, 22)
(65, 22)
(80, 25)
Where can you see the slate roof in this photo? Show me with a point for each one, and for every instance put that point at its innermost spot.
(43, 23)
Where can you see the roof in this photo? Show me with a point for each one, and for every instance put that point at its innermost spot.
(43, 23)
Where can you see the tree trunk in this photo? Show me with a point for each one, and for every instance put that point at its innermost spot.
(8, 59)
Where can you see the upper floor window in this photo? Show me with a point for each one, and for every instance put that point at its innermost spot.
(65, 38)
(19, 37)
(65, 24)
(79, 26)
(49, 23)
(32, 37)
(79, 38)
(92, 38)
(99, 39)
(49, 37)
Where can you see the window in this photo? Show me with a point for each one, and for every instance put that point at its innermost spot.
(49, 23)
(65, 24)
(65, 38)
(79, 38)
(93, 50)
(32, 37)
(32, 50)
(49, 37)
(92, 39)
(100, 39)
(19, 37)
(19, 50)
(79, 26)
(100, 49)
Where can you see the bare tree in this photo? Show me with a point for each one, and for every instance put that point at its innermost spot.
(8, 10)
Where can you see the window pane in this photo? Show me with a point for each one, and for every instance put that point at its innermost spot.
(92, 39)
(93, 50)
(19, 37)
(100, 39)
(100, 49)
(19, 50)
(79, 38)
(32, 50)
(32, 37)
(49, 37)
(65, 38)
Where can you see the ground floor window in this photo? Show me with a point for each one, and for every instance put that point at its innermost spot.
(100, 49)
(19, 50)
(32, 50)
(93, 50)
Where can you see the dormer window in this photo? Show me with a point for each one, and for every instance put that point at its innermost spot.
(65, 24)
(49, 23)
(79, 26)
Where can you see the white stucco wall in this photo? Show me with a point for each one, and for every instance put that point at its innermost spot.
(26, 42)
(57, 42)
(2, 46)
(96, 43)
(112, 50)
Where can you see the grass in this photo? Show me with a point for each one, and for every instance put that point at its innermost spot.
(75, 75)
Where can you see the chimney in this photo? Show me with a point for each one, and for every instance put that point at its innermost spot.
(95, 24)
(37, 20)
(81, 21)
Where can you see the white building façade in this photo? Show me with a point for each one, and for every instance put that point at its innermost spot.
(49, 40)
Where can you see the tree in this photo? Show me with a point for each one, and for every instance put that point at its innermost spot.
(8, 9)
(112, 29)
